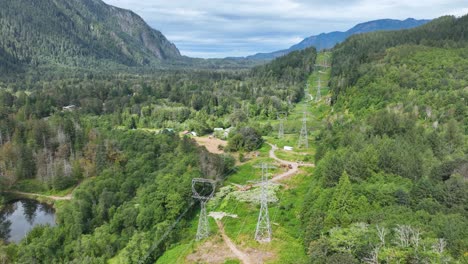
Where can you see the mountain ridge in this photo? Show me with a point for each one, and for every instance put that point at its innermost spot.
(78, 33)
(330, 39)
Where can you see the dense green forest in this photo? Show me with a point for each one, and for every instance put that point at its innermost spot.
(392, 165)
(169, 97)
(137, 195)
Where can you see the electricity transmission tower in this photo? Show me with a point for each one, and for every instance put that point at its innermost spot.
(203, 195)
(325, 62)
(281, 117)
(303, 139)
(263, 230)
(319, 95)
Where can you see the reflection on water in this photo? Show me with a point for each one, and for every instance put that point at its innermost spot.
(20, 216)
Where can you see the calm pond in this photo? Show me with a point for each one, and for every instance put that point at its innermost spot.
(20, 216)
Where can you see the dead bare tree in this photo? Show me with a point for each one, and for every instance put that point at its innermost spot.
(439, 246)
(403, 233)
(381, 232)
(415, 237)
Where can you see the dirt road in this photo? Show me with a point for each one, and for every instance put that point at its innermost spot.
(295, 165)
(51, 197)
(240, 255)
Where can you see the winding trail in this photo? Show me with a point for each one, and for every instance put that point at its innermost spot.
(241, 255)
(295, 165)
(67, 197)
(51, 197)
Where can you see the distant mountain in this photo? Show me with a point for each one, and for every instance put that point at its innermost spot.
(329, 40)
(77, 33)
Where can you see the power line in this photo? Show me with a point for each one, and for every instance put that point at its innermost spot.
(169, 230)
(303, 138)
(171, 227)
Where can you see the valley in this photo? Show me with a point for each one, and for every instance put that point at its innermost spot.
(111, 142)
(287, 185)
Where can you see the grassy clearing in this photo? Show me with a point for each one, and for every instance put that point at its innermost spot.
(285, 219)
(176, 254)
(250, 172)
(294, 156)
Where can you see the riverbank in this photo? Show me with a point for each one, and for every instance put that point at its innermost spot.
(47, 199)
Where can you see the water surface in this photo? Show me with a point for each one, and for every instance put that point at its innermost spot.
(20, 216)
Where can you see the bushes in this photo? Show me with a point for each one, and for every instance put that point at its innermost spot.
(245, 139)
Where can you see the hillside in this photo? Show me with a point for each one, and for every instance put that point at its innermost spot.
(391, 179)
(329, 40)
(84, 33)
(350, 57)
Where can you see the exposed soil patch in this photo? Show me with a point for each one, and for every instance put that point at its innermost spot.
(212, 251)
(258, 256)
(211, 144)
(244, 258)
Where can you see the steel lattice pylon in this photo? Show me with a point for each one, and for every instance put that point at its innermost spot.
(263, 230)
(303, 138)
(281, 117)
(203, 230)
(319, 95)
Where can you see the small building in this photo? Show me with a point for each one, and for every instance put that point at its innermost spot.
(193, 133)
(69, 108)
(288, 148)
(186, 132)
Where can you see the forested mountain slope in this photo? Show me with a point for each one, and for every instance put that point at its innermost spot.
(350, 57)
(392, 165)
(77, 33)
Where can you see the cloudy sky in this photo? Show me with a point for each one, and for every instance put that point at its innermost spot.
(221, 28)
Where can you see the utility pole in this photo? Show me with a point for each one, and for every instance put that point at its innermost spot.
(263, 230)
(281, 117)
(303, 139)
(203, 230)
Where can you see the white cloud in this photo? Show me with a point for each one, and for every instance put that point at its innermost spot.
(241, 27)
